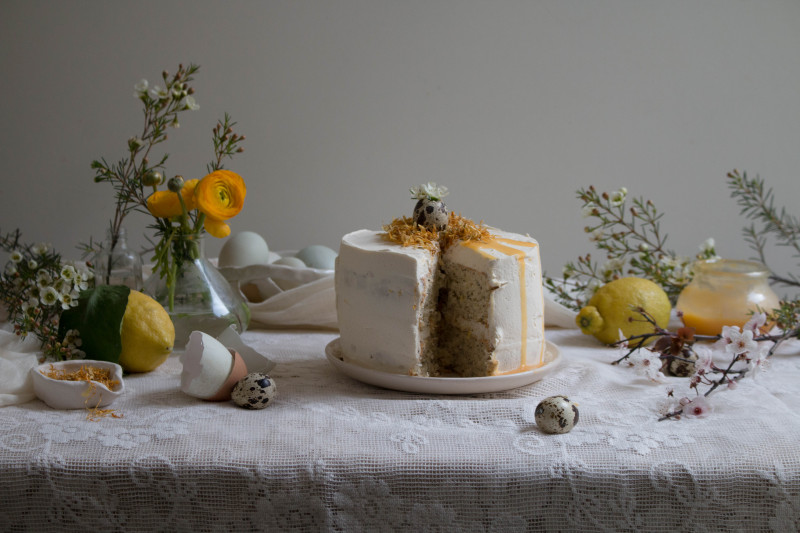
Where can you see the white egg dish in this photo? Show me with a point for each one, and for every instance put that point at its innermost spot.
(261, 273)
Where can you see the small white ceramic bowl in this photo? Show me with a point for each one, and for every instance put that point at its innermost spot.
(63, 394)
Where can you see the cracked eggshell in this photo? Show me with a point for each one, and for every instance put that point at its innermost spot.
(556, 414)
(210, 369)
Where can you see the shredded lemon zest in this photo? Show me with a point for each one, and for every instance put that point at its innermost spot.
(84, 373)
(406, 232)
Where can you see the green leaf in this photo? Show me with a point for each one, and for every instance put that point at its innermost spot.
(98, 318)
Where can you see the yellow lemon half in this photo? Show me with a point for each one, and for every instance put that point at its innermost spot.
(613, 308)
(147, 334)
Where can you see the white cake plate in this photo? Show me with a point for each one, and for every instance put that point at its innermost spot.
(443, 385)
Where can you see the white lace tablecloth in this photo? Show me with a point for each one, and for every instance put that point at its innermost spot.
(335, 454)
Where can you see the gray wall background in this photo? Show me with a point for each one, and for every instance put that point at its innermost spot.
(347, 103)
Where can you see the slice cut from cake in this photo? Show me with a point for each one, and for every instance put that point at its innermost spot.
(457, 306)
(492, 306)
(386, 303)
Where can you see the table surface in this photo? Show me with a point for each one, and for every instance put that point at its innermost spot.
(333, 453)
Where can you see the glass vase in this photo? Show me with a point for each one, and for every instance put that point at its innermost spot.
(724, 292)
(200, 298)
(116, 264)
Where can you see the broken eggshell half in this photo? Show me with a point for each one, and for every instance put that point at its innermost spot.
(210, 369)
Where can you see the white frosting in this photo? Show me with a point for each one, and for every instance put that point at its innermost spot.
(381, 287)
(380, 291)
(516, 315)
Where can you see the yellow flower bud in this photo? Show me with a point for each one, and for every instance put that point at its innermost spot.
(220, 196)
(165, 204)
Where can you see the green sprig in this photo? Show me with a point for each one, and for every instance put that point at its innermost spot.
(627, 232)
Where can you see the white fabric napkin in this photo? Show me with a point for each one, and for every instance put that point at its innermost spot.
(286, 297)
(17, 358)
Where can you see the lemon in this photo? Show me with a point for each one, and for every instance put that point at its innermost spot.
(613, 308)
(147, 334)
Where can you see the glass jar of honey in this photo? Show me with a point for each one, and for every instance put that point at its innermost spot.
(725, 292)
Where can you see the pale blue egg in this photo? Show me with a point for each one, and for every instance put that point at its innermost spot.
(318, 256)
(244, 249)
(290, 261)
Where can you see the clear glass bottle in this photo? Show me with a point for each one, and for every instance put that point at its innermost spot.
(724, 292)
(201, 299)
(116, 264)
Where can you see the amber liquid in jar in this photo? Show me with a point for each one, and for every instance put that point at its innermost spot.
(724, 292)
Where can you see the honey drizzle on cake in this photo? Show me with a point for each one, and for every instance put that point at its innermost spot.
(497, 244)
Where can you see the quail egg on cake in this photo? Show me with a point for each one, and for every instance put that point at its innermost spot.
(556, 414)
(254, 391)
(431, 214)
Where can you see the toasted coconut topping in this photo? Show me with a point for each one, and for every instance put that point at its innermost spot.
(406, 232)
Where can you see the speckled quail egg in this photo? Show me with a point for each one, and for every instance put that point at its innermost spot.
(317, 256)
(254, 391)
(683, 366)
(431, 214)
(556, 414)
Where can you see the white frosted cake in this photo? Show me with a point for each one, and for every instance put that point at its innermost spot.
(446, 305)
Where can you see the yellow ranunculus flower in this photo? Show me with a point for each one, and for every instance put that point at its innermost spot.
(165, 204)
(220, 196)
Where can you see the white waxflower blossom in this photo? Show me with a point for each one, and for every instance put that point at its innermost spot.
(708, 245)
(190, 103)
(669, 262)
(618, 197)
(32, 264)
(158, 93)
(588, 210)
(68, 273)
(80, 284)
(596, 235)
(48, 296)
(429, 190)
(613, 265)
(592, 288)
(16, 256)
(141, 88)
(40, 249)
(11, 269)
(179, 91)
(64, 287)
(72, 338)
(69, 299)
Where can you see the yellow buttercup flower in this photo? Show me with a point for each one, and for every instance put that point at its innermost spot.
(220, 196)
(165, 204)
